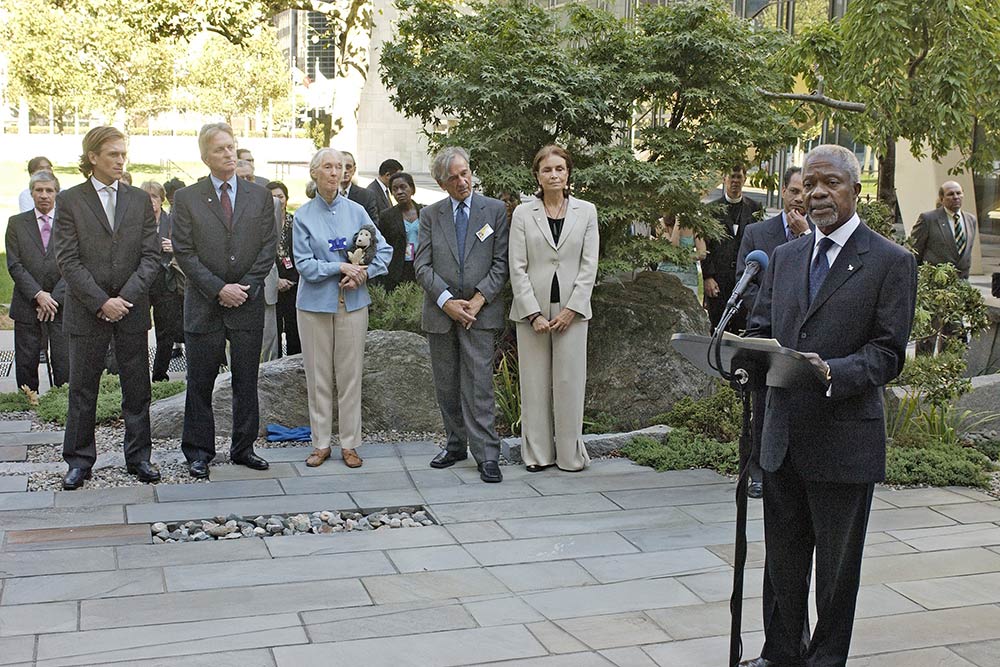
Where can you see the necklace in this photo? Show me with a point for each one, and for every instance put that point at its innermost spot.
(560, 212)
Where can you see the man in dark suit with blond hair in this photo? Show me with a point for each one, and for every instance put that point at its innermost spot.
(108, 251)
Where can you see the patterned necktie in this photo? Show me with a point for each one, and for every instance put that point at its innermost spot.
(960, 240)
(461, 229)
(227, 204)
(788, 234)
(820, 267)
(46, 231)
(109, 206)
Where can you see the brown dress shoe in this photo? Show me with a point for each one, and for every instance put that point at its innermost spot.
(317, 457)
(351, 458)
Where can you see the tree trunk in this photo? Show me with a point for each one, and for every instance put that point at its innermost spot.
(887, 182)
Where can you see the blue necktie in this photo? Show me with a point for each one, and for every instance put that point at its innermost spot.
(820, 267)
(461, 228)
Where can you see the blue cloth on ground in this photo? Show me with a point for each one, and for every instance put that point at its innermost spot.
(279, 433)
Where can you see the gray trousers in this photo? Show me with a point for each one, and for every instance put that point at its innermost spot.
(462, 362)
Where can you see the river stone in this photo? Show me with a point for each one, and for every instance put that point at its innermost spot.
(633, 373)
(397, 391)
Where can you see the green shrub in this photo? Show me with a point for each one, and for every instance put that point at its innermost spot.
(601, 422)
(507, 391)
(988, 448)
(682, 450)
(54, 404)
(14, 401)
(398, 310)
(719, 416)
(937, 466)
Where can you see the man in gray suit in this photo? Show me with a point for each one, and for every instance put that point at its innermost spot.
(461, 262)
(946, 234)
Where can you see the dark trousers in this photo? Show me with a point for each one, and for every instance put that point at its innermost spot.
(462, 364)
(86, 362)
(716, 306)
(801, 516)
(168, 316)
(205, 352)
(29, 340)
(288, 323)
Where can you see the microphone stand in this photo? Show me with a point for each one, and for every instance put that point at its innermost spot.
(744, 378)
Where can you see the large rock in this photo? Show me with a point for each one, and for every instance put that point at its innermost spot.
(633, 373)
(397, 391)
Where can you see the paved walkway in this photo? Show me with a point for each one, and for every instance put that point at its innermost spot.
(618, 565)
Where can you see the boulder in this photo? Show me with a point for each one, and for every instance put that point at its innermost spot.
(633, 374)
(397, 391)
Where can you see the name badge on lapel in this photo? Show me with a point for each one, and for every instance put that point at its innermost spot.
(484, 232)
(337, 244)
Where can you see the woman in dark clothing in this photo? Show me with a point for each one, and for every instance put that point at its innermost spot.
(288, 277)
(399, 226)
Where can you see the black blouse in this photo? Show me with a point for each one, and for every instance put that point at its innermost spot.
(556, 225)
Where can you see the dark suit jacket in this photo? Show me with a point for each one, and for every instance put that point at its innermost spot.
(32, 268)
(934, 241)
(213, 255)
(381, 201)
(765, 235)
(390, 223)
(98, 264)
(859, 324)
(483, 269)
(720, 263)
(366, 199)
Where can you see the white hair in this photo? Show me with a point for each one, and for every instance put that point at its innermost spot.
(839, 156)
(442, 161)
(320, 155)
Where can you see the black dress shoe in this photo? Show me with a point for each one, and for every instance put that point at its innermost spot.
(145, 472)
(75, 477)
(251, 460)
(755, 490)
(198, 469)
(489, 471)
(447, 459)
(758, 662)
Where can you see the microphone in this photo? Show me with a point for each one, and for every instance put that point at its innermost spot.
(755, 263)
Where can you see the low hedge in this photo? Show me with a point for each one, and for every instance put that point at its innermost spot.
(681, 450)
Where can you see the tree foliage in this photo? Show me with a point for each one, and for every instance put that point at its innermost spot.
(654, 110)
(926, 71)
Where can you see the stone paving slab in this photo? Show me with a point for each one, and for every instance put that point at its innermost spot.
(982, 654)
(626, 481)
(474, 492)
(555, 639)
(125, 495)
(29, 619)
(430, 559)
(218, 490)
(369, 481)
(14, 650)
(718, 586)
(903, 519)
(235, 574)
(670, 497)
(609, 569)
(508, 610)
(610, 598)
(614, 630)
(692, 534)
(15, 425)
(285, 546)
(946, 592)
(929, 565)
(216, 604)
(720, 512)
(632, 656)
(443, 649)
(187, 553)
(705, 652)
(202, 509)
(334, 466)
(32, 438)
(571, 660)
(13, 483)
(81, 586)
(79, 648)
(594, 522)
(329, 625)
(542, 576)
(478, 531)
(250, 658)
(28, 500)
(229, 473)
(421, 586)
(425, 479)
(930, 657)
(492, 510)
(62, 561)
(957, 536)
(549, 548)
(76, 538)
(706, 620)
(13, 453)
(374, 500)
(919, 497)
(61, 517)
(971, 512)
(925, 629)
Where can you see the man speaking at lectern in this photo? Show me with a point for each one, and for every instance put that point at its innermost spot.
(844, 297)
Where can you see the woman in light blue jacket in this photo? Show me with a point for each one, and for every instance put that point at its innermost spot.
(332, 304)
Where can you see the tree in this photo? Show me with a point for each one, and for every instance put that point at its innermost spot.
(652, 112)
(259, 73)
(925, 70)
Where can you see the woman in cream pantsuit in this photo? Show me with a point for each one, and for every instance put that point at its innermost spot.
(332, 306)
(553, 267)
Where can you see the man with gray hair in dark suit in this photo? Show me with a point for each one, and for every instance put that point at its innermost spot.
(461, 262)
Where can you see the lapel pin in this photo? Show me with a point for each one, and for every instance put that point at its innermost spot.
(850, 267)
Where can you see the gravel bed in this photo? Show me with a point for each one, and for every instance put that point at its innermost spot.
(234, 526)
